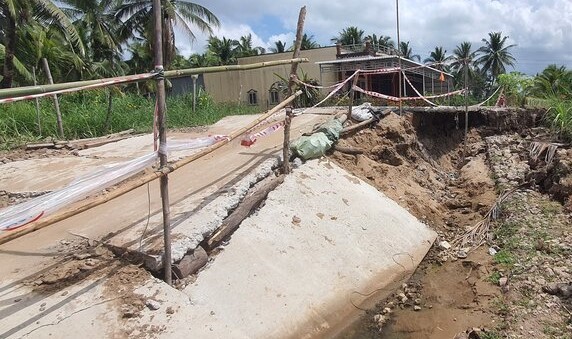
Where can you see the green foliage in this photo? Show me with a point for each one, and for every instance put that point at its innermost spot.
(559, 115)
(490, 335)
(553, 81)
(349, 36)
(309, 97)
(494, 277)
(516, 87)
(495, 55)
(308, 42)
(552, 90)
(84, 115)
(407, 52)
(504, 257)
(437, 59)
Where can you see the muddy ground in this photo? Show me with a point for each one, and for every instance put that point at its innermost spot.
(517, 283)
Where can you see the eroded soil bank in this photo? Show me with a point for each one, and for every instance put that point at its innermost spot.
(516, 284)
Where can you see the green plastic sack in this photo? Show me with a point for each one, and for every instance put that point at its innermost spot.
(331, 129)
(310, 147)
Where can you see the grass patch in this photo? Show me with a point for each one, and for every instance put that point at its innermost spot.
(504, 257)
(490, 335)
(84, 115)
(501, 306)
(494, 278)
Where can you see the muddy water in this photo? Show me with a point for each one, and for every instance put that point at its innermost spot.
(454, 297)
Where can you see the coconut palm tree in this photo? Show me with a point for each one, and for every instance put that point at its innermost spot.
(463, 55)
(138, 17)
(98, 26)
(15, 14)
(223, 49)
(553, 81)
(280, 47)
(383, 41)
(203, 60)
(349, 36)
(495, 55)
(308, 42)
(407, 52)
(438, 58)
(244, 47)
(36, 41)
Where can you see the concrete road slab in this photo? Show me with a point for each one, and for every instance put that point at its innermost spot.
(39, 175)
(291, 269)
(124, 219)
(296, 268)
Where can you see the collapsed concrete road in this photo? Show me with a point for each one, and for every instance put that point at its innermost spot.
(323, 244)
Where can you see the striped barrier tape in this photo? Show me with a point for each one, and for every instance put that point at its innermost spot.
(250, 139)
(417, 92)
(334, 91)
(392, 98)
(115, 81)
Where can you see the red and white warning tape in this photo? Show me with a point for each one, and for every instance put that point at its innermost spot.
(392, 98)
(114, 81)
(417, 92)
(250, 139)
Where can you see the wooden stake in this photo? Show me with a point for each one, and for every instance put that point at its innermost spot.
(350, 106)
(56, 101)
(399, 56)
(286, 144)
(37, 102)
(291, 83)
(161, 111)
(466, 109)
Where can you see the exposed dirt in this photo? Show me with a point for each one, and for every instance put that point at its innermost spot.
(87, 261)
(521, 291)
(455, 291)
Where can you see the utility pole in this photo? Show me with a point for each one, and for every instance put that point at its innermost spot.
(466, 107)
(399, 56)
(161, 110)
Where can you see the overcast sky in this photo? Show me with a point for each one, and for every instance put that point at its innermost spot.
(541, 29)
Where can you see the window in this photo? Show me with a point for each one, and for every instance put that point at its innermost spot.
(274, 97)
(274, 92)
(252, 97)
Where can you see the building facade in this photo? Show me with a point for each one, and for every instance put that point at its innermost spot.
(328, 65)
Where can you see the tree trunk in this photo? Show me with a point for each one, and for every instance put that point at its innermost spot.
(109, 111)
(10, 48)
(56, 101)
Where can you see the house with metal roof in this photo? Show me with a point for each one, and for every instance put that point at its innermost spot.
(329, 65)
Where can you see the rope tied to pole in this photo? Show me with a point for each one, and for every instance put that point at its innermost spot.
(159, 72)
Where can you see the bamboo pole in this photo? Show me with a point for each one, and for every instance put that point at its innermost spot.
(466, 108)
(56, 101)
(291, 83)
(31, 90)
(352, 94)
(132, 184)
(399, 56)
(37, 102)
(161, 112)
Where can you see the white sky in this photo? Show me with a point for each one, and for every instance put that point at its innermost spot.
(542, 29)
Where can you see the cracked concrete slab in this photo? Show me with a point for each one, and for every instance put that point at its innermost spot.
(295, 268)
